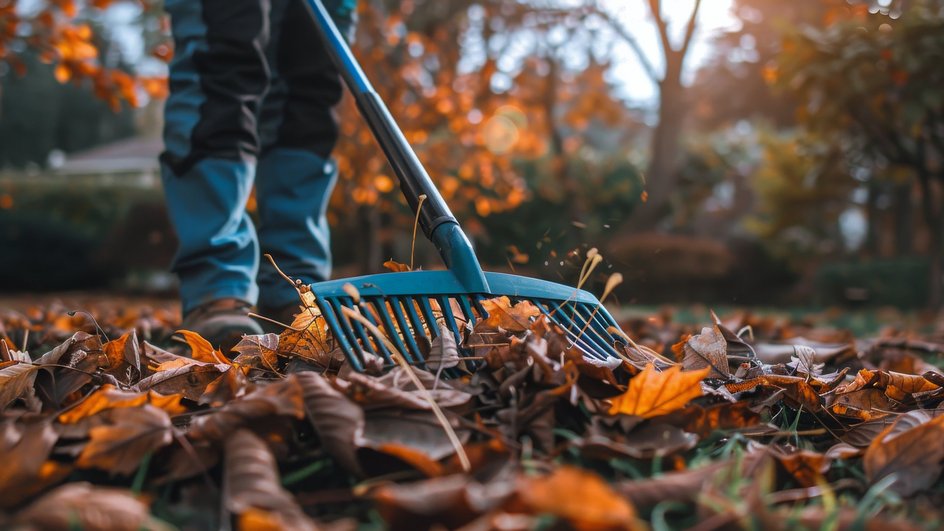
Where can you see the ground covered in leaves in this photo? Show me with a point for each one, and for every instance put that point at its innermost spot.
(747, 422)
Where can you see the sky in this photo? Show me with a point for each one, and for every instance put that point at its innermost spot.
(628, 74)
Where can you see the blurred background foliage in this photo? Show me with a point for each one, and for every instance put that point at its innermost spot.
(796, 157)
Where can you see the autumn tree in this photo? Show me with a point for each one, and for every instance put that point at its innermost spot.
(664, 149)
(870, 82)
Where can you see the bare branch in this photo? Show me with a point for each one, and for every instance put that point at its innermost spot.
(629, 39)
(655, 6)
(690, 28)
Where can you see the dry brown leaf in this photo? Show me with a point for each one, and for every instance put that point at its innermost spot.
(281, 398)
(707, 349)
(502, 315)
(123, 357)
(25, 448)
(682, 486)
(865, 404)
(191, 380)
(15, 380)
(579, 497)
(449, 501)
(131, 433)
(726, 416)
(310, 338)
(251, 485)
(861, 435)
(896, 386)
(799, 392)
(84, 506)
(652, 393)
(915, 457)
(804, 466)
(338, 421)
(259, 351)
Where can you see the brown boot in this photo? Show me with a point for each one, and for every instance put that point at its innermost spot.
(222, 322)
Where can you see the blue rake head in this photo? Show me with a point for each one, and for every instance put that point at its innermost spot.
(407, 306)
(412, 307)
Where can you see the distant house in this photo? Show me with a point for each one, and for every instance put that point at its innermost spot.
(131, 162)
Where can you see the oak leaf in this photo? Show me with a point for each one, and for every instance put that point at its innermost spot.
(652, 393)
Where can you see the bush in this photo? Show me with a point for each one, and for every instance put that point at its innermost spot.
(900, 282)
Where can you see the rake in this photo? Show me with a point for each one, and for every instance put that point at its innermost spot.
(408, 306)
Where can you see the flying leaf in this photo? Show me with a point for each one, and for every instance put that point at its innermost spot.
(131, 433)
(253, 490)
(652, 393)
(915, 457)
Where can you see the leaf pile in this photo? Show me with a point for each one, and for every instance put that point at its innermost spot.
(771, 427)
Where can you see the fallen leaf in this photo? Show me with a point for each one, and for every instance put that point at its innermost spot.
(191, 381)
(15, 380)
(201, 349)
(915, 457)
(338, 421)
(110, 397)
(502, 315)
(252, 486)
(84, 506)
(131, 433)
(281, 398)
(896, 386)
(259, 351)
(579, 497)
(25, 448)
(449, 501)
(707, 349)
(652, 393)
(799, 392)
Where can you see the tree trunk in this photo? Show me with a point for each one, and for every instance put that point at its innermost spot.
(934, 219)
(904, 220)
(872, 220)
(663, 171)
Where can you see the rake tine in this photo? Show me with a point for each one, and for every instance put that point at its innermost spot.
(414, 318)
(476, 301)
(380, 306)
(593, 326)
(450, 318)
(359, 329)
(466, 309)
(369, 315)
(430, 318)
(572, 329)
(343, 321)
(395, 305)
(352, 355)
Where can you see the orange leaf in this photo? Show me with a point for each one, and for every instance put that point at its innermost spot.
(110, 397)
(915, 456)
(652, 393)
(580, 497)
(201, 349)
(501, 314)
(396, 267)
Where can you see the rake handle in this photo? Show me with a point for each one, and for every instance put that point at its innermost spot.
(435, 218)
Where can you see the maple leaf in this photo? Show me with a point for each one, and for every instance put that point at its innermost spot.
(501, 314)
(652, 393)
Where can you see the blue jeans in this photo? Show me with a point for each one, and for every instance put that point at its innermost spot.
(251, 102)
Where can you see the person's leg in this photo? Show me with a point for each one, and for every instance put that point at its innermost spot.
(217, 79)
(295, 173)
